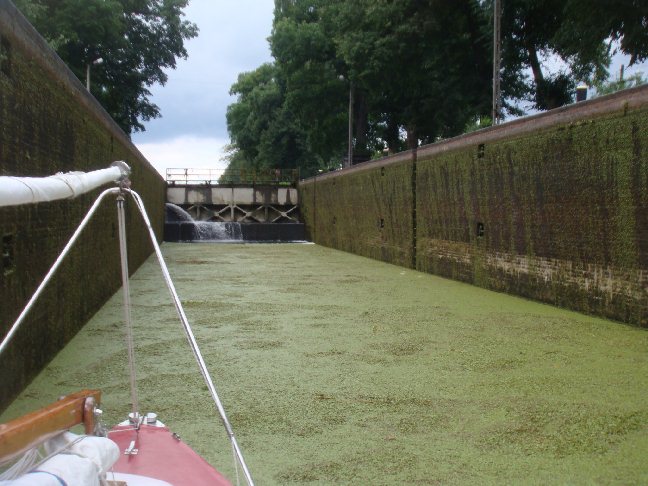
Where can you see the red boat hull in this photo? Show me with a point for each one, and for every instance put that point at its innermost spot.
(162, 456)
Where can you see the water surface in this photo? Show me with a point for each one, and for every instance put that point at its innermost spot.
(337, 369)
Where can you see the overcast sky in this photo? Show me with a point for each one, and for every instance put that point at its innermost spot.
(192, 132)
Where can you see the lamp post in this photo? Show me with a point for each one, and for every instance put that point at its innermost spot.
(350, 148)
(95, 62)
(349, 160)
(497, 58)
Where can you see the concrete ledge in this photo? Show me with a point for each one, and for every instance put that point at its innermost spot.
(621, 101)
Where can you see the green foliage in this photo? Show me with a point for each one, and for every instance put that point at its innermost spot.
(623, 21)
(574, 31)
(478, 123)
(263, 128)
(417, 71)
(326, 51)
(292, 113)
(437, 59)
(134, 39)
(612, 86)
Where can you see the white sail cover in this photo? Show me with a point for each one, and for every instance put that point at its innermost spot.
(15, 191)
(74, 460)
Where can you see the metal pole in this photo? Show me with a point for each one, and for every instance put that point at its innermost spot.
(190, 337)
(88, 76)
(350, 148)
(55, 266)
(497, 56)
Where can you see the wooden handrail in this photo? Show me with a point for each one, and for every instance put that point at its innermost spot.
(26, 432)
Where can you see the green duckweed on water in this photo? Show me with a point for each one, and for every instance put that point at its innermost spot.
(336, 369)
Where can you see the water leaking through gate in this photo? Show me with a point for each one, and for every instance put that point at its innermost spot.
(181, 227)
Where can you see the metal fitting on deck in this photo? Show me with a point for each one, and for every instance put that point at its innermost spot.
(123, 167)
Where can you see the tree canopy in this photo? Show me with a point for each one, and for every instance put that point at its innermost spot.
(126, 44)
(417, 71)
(415, 68)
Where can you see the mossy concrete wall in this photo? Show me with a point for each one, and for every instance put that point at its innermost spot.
(552, 207)
(365, 212)
(49, 124)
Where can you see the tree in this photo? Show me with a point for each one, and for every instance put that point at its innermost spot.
(578, 33)
(418, 70)
(264, 132)
(613, 85)
(422, 66)
(291, 113)
(309, 73)
(135, 40)
(415, 67)
(621, 21)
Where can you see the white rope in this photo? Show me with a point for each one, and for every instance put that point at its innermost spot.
(121, 219)
(33, 458)
(25, 463)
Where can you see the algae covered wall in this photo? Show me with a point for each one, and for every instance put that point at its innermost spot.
(49, 124)
(553, 207)
(367, 212)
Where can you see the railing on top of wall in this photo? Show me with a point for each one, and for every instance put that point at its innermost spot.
(202, 176)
